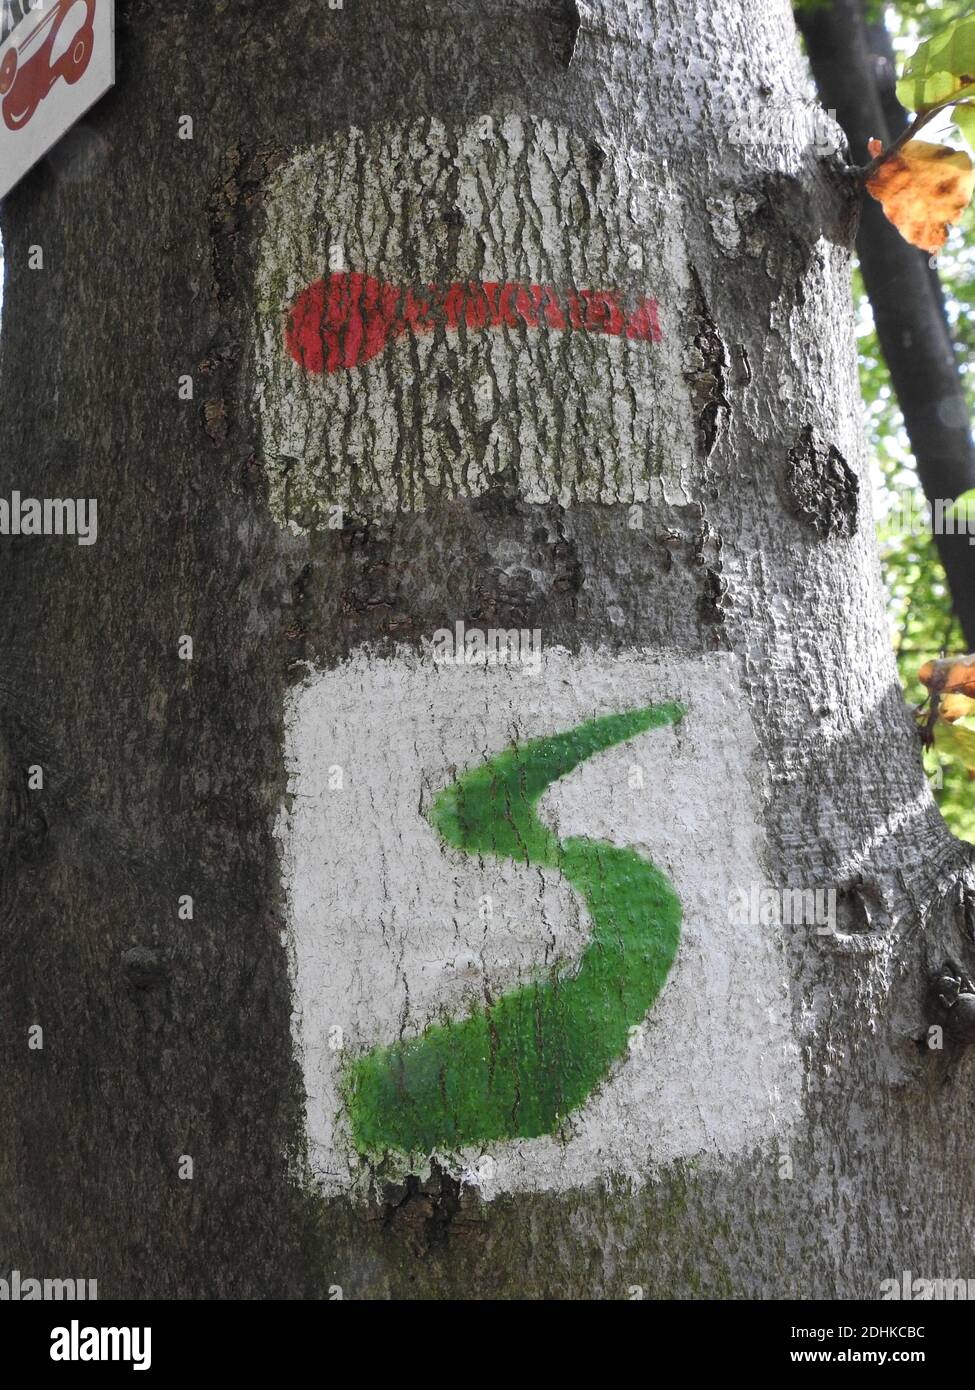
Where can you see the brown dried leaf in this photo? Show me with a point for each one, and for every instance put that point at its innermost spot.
(956, 707)
(922, 189)
(949, 675)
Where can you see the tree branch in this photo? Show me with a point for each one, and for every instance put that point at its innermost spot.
(907, 134)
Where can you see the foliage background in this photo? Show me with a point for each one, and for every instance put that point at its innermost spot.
(917, 598)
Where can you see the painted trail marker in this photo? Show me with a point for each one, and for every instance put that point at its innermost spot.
(442, 308)
(509, 930)
(56, 61)
(344, 320)
(518, 1067)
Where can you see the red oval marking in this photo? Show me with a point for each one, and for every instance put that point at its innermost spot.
(346, 319)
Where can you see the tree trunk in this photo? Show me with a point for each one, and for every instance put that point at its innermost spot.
(661, 482)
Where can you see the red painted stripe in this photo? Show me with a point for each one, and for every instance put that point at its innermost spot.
(342, 321)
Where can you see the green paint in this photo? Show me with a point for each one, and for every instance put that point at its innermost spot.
(516, 1068)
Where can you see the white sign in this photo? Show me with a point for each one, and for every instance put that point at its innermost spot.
(393, 931)
(57, 58)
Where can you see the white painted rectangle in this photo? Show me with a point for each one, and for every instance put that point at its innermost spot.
(577, 416)
(387, 929)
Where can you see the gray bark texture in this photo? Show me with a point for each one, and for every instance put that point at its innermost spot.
(163, 777)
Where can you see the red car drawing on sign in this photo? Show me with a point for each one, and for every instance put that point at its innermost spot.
(61, 45)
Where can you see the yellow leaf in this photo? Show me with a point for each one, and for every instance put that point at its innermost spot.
(956, 707)
(922, 188)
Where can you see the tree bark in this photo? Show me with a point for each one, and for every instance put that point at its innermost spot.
(686, 511)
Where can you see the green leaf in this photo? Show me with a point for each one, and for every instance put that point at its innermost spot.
(942, 70)
(955, 742)
(964, 118)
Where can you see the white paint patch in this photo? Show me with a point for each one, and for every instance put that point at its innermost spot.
(570, 415)
(389, 929)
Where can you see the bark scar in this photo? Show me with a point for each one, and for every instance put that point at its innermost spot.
(706, 373)
(952, 1000)
(821, 487)
(567, 20)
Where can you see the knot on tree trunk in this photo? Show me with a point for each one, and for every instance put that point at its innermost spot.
(952, 1001)
(821, 487)
(562, 19)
